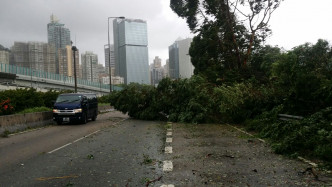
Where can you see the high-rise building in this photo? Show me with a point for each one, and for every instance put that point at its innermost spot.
(131, 50)
(107, 57)
(35, 55)
(157, 62)
(180, 65)
(4, 57)
(157, 71)
(166, 68)
(59, 36)
(173, 53)
(89, 66)
(66, 62)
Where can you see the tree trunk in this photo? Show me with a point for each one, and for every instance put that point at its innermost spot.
(252, 37)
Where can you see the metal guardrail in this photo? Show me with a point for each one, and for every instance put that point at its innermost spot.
(286, 117)
(12, 69)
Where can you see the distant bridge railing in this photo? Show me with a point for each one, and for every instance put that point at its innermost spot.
(13, 69)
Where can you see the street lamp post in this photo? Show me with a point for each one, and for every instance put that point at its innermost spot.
(74, 49)
(109, 49)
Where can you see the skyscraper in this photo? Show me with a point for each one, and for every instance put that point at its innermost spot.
(4, 57)
(35, 55)
(66, 62)
(131, 50)
(107, 56)
(157, 71)
(59, 36)
(89, 66)
(180, 65)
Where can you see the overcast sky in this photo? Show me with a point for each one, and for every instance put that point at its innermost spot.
(294, 23)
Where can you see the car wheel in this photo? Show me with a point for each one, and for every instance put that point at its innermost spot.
(85, 118)
(94, 117)
(59, 122)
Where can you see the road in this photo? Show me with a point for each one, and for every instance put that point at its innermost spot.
(119, 151)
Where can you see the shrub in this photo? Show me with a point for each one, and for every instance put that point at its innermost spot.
(242, 101)
(21, 99)
(311, 136)
(5, 107)
(35, 109)
(104, 99)
(185, 100)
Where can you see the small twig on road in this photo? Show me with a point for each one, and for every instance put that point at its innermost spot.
(229, 156)
(155, 180)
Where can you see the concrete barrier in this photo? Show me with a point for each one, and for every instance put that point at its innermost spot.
(19, 122)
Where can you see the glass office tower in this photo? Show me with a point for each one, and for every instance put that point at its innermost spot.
(180, 65)
(131, 50)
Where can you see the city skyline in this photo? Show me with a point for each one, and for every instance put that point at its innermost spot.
(89, 30)
(291, 23)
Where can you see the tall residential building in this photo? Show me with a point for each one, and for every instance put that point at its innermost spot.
(180, 65)
(66, 62)
(59, 36)
(157, 71)
(166, 68)
(107, 57)
(35, 55)
(131, 50)
(157, 62)
(4, 57)
(89, 66)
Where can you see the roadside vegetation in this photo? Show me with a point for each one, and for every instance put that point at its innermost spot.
(30, 100)
(240, 80)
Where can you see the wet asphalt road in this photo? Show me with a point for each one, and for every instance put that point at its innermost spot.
(119, 152)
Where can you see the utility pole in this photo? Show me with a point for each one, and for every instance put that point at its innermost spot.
(109, 48)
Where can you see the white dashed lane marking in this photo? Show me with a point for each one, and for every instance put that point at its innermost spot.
(168, 150)
(168, 166)
(169, 140)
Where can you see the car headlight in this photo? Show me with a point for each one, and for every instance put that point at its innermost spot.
(79, 110)
(56, 111)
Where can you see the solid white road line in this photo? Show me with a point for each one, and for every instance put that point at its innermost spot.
(59, 148)
(168, 165)
(246, 133)
(80, 139)
(73, 142)
(167, 185)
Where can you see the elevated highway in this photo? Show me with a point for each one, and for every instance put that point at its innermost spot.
(13, 77)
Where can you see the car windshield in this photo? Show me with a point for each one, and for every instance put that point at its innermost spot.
(68, 99)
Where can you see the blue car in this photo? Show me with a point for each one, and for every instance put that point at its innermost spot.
(75, 107)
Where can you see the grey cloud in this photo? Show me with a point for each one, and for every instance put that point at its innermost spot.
(26, 20)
